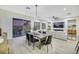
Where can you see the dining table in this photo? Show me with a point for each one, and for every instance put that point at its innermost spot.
(40, 36)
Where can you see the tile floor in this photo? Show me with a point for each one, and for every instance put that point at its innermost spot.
(19, 46)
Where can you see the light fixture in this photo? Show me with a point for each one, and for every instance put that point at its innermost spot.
(55, 17)
(28, 10)
(36, 10)
(27, 7)
(64, 9)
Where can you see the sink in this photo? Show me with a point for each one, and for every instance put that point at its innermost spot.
(1, 40)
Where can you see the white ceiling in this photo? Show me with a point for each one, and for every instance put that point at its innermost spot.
(45, 10)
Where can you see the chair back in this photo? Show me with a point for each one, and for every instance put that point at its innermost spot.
(44, 32)
(31, 38)
(27, 36)
(49, 40)
(39, 31)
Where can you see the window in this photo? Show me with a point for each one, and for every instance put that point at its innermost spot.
(43, 26)
(36, 25)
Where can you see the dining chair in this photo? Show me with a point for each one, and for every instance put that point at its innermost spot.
(77, 47)
(39, 31)
(77, 50)
(28, 39)
(44, 32)
(47, 41)
(33, 40)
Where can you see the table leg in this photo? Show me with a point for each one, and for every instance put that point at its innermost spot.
(40, 45)
(47, 48)
(29, 43)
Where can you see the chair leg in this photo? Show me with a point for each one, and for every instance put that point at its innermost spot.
(29, 43)
(33, 46)
(47, 48)
(51, 46)
(40, 46)
(77, 50)
(8, 51)
(77, 45)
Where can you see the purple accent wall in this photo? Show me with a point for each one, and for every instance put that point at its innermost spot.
(18, 26)
(19, 22)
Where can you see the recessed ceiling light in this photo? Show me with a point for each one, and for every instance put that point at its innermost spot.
(64, 9)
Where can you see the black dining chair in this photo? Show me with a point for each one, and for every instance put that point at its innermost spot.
(28, 39)
(33, 40)
(47, 41)
(44, 32)
(77, 47)
(39, 31)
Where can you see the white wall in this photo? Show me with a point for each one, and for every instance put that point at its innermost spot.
(60, 34)
(6, 21)
(6, 26)
(66, 27)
